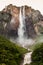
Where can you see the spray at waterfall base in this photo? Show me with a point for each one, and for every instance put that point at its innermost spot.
(21, 30)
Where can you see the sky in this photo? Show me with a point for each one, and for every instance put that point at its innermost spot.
(36, 4)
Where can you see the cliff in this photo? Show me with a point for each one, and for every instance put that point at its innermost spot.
(9, 21)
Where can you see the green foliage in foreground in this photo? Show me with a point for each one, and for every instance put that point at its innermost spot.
(10, 54)
(37, 56)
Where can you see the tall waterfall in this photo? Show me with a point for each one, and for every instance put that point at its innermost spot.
(22, 40)
(21, 30)
(21, 26)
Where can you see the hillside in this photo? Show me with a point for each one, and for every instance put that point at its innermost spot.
(10, 53)
(37, 55)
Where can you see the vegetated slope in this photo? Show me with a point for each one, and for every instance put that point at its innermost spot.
(10, 54)
(37, 55)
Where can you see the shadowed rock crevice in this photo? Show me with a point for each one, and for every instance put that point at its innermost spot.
(30, 31)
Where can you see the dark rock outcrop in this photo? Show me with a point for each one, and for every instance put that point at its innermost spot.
(5, 18)
(30, 31)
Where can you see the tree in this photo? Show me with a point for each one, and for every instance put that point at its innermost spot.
(37, 56)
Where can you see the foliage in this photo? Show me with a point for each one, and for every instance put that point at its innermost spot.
(37, 55)
(10, 54)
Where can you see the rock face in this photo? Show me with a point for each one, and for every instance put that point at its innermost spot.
(12, 25)
(30, 31)
(9, 21)
(4, 20)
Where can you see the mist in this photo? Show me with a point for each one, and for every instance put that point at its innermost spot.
(22, 39)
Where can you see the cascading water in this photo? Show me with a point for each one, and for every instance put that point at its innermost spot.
(21, 38)
(27, 58)
(21, 28)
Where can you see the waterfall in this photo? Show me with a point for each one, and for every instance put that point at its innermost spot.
(24, 14)
(21, 26)
(27, 58)
(22, 39)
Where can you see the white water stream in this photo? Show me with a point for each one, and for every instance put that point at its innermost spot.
(27, 58)
(21, 26)
(21, 39)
